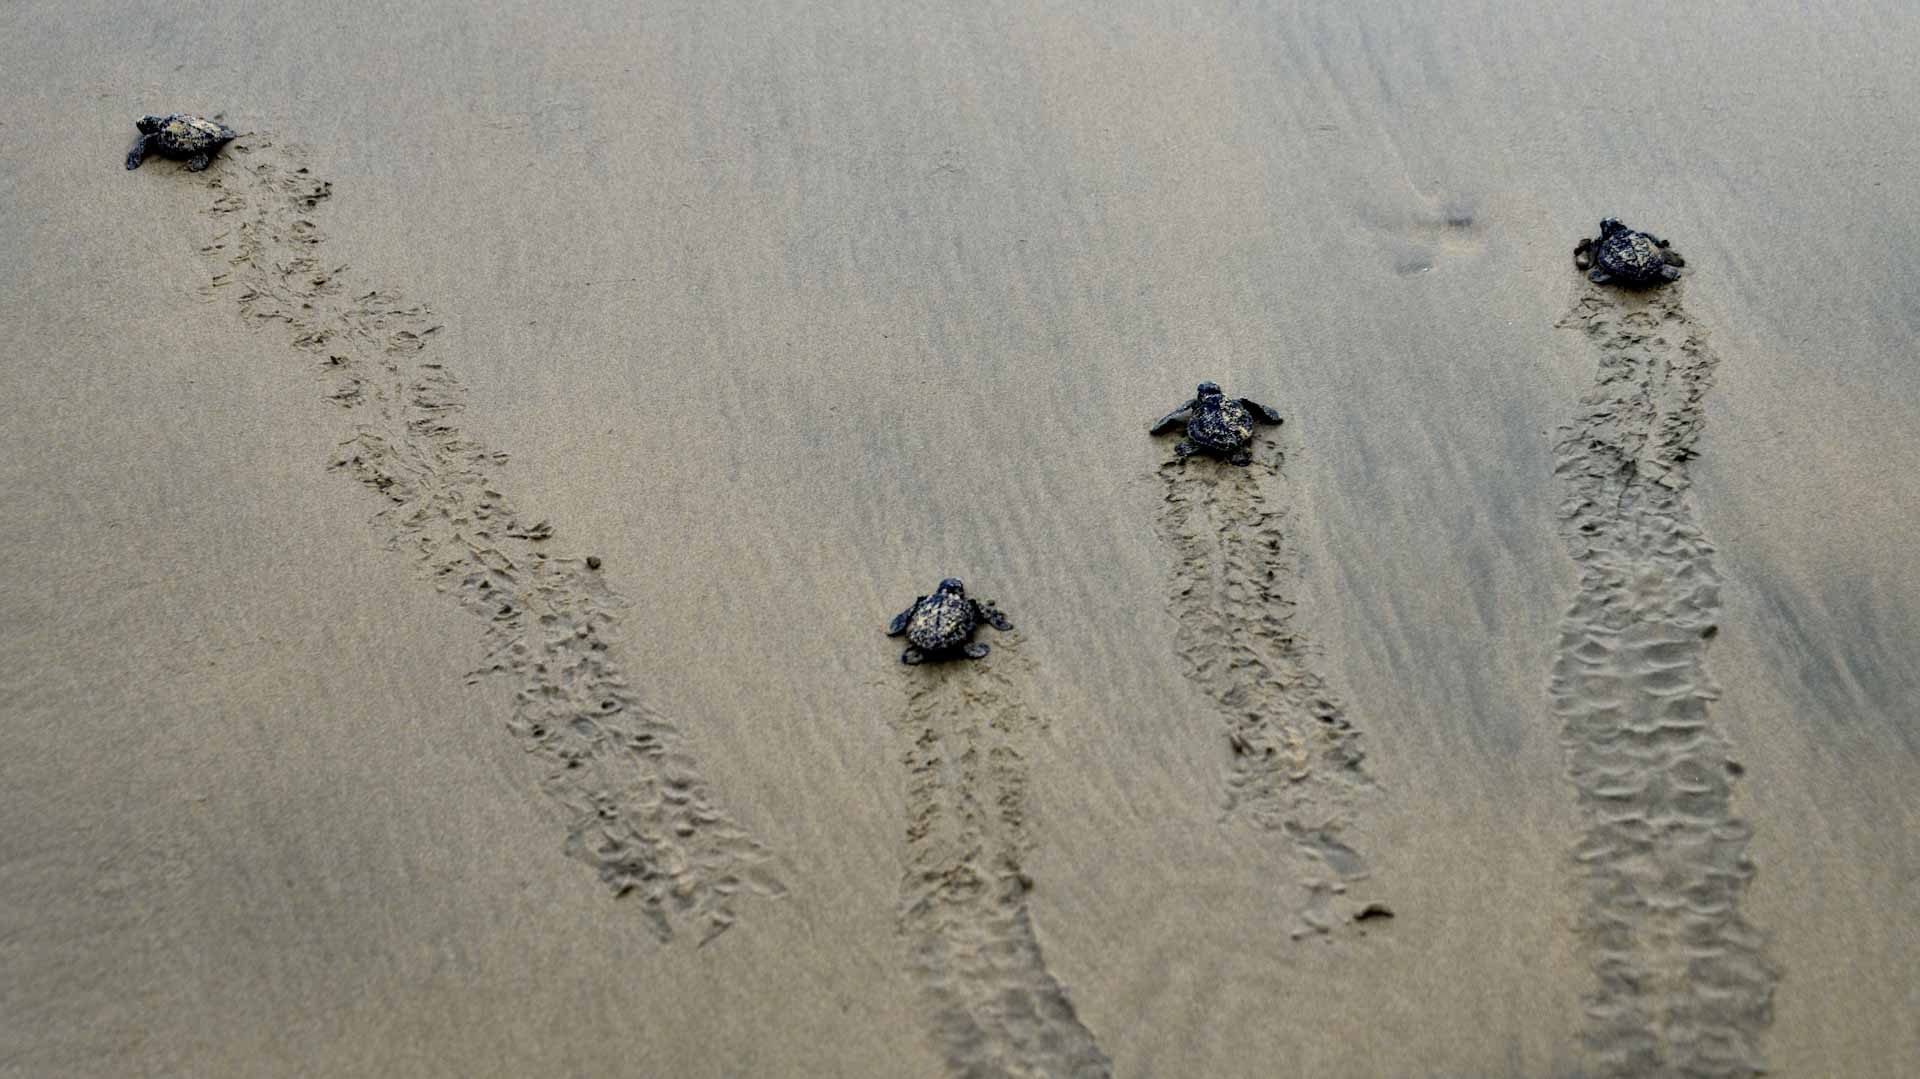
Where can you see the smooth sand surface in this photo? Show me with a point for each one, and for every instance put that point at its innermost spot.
(785, 311)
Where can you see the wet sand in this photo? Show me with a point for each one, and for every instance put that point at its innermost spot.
(784, 315)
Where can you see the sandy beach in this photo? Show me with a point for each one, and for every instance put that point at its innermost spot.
(449, 541)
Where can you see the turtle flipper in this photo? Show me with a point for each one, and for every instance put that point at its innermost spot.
(1167, 421)
(197, 162)
(900, 620)
(1599, 276)
(1183, 448)
(913, 657)
(1261, 413)
(1242, 457)
(978, 650)
(139, 151)
(986, 612)
(1583, 255)
(1669, 272)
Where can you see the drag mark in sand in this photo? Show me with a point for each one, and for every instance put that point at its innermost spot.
(1296, 764)
(1684, 987)
(997, 1009)
(638, 810)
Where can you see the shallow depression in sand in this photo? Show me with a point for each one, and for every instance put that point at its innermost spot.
(639, 811)
(996, 1007)
(1295, 765)
(1684, 986)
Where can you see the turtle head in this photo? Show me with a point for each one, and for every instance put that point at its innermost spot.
(951, 587)
(1611, 225)
(148, 124)
(1210, 389)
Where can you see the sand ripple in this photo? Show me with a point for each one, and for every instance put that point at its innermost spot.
(1296, 762)
(997, 1009)
(1684, 987)
(638, 810)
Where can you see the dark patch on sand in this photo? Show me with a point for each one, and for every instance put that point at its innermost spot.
(1295, 763)
(1684, 986)
(638, 810)
(997, 1009)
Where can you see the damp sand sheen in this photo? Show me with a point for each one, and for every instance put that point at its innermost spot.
(1683, 986)
(1572, 626)
(640, 813)
(1296, 768)
(996, 1008)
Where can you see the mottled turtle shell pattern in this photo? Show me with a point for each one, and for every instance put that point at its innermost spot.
(1633, 257)
(1221, 424)
(185, 136)
(942, 621)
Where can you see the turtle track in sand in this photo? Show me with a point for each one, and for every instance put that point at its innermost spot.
(638, 810)
(1295, 763)
(1684, 988)
(996, 1008)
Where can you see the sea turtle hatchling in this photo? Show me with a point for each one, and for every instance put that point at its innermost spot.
(192, 139)
(941, 625)
(1623, 256)
(1217, 424)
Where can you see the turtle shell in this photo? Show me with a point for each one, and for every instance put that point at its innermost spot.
(189, 135)
(1223, 425)
(941, 622)
(1631, 256)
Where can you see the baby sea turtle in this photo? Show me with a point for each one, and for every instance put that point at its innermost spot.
(1622, 256)
(1217, 424)
(942, 625)
(184, 138)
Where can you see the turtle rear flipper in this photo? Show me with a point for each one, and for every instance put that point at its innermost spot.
(913, 657)
(1669, 272)
(139, 151)
(978, 650)
(197, 162)
(1166, 422)
(991, 615)
(1599, 276)
(1241, 457)
(1261, 413)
